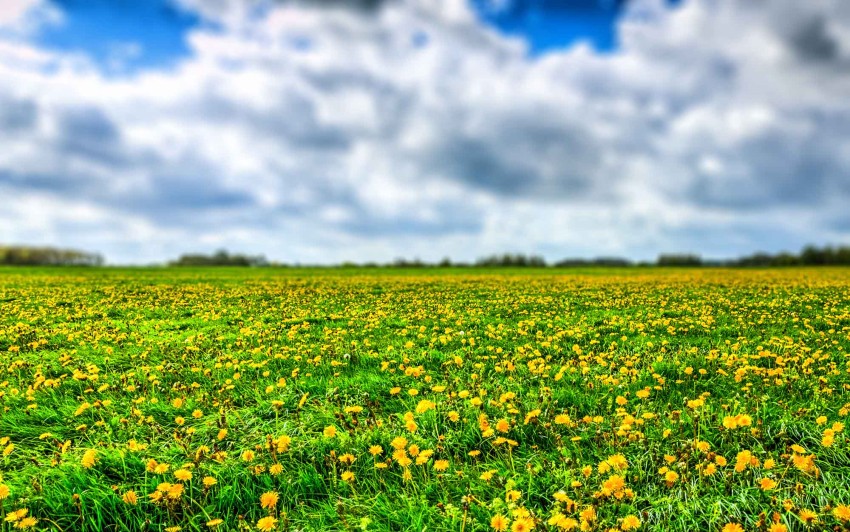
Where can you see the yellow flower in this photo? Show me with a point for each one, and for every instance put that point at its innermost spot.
(424, 406)
(347, 476)
(268, 500)
(330, 431)
(441, 465)
(4, 491)
(630, 522)
(266, 524)
(487, 475)
(175, 491)
(276, 469)
(26, 522)
(618, 462)
(89, 458)
(841, 512)
(130, 498)
(499, 522)
(209, 481)
(212, 523)
(767, 484)
(183, 474)
(523, 524)
(777, 527)
(732, 527)
(808, 516)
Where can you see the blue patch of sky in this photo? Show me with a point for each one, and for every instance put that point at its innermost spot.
(122, 35)
(128, 35)
(557, 24)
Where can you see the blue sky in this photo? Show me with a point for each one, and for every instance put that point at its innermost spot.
(136, 34)
(577, 128)
(106, 29)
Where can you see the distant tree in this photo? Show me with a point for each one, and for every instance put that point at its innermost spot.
(219, 258)
(47, 256)
(511, 259)
(679, 260)
(404, 263)
(612, 262)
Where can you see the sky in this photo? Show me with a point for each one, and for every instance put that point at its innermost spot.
(322, 131)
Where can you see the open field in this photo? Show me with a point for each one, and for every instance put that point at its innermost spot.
(639, 399)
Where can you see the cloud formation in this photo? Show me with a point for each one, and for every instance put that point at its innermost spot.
(316, 133)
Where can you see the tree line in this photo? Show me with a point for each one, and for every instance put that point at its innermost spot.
(47, 256)
(808, 256)
(219, 258)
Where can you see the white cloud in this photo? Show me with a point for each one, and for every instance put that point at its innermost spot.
(323, 134)
(22, 17)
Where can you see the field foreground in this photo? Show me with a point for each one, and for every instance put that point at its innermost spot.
(294, 400)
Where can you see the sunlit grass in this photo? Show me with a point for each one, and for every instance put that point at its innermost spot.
(656, 399)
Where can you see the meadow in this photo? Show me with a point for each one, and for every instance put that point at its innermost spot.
(458, 400)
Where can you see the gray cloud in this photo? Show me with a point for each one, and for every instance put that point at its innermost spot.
(88, 133)
(17, 115)
(718, 123)
(811, 40)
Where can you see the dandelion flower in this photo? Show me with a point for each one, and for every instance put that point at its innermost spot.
(630, 522)
(266, 524)
(523, 524)
(268, 500)
(841, 512)
(808, 516)
(499, 522)
(130, 498)
(89, 458)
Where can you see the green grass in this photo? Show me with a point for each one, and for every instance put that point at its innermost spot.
(100, 359)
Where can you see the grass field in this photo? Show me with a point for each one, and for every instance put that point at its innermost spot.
(639, 399)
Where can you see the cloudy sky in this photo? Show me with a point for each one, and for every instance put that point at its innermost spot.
(318, 131)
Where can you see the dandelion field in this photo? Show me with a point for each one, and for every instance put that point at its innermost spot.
(468, 400)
